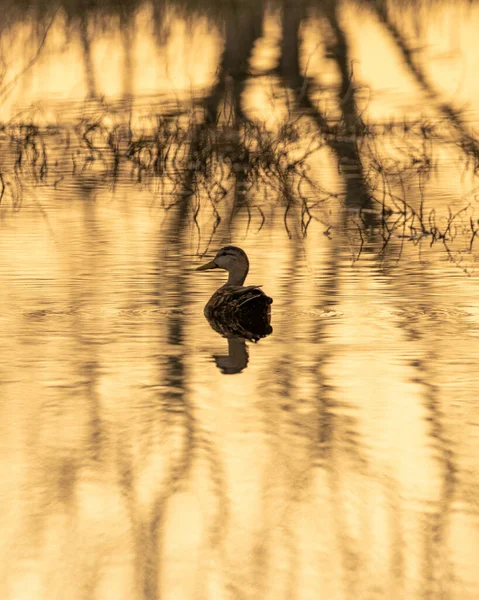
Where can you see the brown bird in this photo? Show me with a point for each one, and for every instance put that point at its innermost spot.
(236, 310)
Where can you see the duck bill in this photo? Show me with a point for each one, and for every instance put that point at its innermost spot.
(208, 266)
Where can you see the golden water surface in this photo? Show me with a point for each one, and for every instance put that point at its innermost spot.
(340, 460)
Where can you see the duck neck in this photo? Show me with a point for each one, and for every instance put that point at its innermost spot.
(237, 275)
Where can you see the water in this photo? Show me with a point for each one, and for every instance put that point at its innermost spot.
(339, 458)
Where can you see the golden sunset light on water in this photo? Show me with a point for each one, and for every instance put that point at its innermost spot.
(240, 309)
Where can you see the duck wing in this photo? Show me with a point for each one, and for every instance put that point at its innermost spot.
(240, 310)
(236, 296)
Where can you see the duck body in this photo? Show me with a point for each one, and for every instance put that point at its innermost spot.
(243, 311)
(235, 310)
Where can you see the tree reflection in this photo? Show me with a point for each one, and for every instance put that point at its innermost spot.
(235, 156)
(301, 489)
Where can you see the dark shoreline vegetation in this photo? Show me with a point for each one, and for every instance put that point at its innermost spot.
(204, 151)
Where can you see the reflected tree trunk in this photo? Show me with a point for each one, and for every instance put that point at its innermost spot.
(357, 191)
(243, 26)
(425, 373)
(87, 57)
(177, 409)
(127, 21)
(289, 61)
(467, 141)
(342, 142)
(161, 27)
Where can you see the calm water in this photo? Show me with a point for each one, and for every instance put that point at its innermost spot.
(340, 460)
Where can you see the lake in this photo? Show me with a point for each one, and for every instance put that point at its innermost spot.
(142, 454)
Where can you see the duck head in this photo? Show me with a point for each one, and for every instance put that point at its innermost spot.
(231, 259)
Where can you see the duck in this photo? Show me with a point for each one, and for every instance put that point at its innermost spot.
(236, 310)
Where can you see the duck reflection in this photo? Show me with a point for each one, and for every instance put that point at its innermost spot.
(237, 312)
(237, 358)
